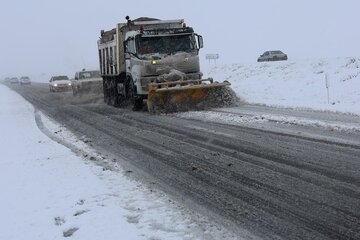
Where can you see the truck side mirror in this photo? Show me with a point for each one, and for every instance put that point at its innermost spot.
(200, 41)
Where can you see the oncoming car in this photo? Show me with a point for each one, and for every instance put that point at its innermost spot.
(25, 81)
(272, 56)
(59, 83)
(14, 80)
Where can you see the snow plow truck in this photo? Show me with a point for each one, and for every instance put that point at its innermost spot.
(154, 63)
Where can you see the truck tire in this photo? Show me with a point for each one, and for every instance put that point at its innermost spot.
(114, 95)
(106, 92)
(135, 100)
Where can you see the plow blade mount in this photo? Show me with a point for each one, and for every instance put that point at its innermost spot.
(188, 95)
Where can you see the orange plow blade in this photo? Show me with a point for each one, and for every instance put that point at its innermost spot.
(188, 95)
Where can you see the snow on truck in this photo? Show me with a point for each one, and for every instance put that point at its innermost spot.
(157, 62)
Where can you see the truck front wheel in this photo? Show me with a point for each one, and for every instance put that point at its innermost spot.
(135, 100)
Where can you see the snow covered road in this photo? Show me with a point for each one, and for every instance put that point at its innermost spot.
(291, 180)
(49, 192)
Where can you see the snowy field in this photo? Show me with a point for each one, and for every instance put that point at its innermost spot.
(296, 84)
(50, 192)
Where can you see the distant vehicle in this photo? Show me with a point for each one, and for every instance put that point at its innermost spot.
(14, 80)
(59, 83)
(87, 81)
(272, 56)
(25, 81)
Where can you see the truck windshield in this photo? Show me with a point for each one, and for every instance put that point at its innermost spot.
(166, 44)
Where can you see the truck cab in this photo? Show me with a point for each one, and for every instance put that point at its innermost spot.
(150, 54)
(146, 50)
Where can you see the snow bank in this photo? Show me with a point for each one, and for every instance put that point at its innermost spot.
(297, 84)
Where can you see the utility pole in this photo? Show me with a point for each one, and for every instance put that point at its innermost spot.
(327, 85)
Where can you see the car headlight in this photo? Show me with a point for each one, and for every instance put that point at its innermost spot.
(69, 84)
(55, 85)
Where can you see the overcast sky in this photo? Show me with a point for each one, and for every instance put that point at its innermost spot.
(59, 36)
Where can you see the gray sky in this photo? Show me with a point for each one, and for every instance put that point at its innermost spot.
(59, 36)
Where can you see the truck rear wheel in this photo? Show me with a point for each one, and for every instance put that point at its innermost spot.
(114, 95)
(106, 91)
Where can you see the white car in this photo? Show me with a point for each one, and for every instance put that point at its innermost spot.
(272, 56)
(25, 81)
(14, 80)
(59, 83)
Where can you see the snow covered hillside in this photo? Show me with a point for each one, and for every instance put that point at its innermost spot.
(298, 84)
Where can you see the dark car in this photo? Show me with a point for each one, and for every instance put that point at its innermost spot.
(272, 56)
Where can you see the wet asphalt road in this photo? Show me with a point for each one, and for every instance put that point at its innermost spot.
(274, 184)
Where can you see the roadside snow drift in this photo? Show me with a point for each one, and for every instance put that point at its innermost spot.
(297, 84)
